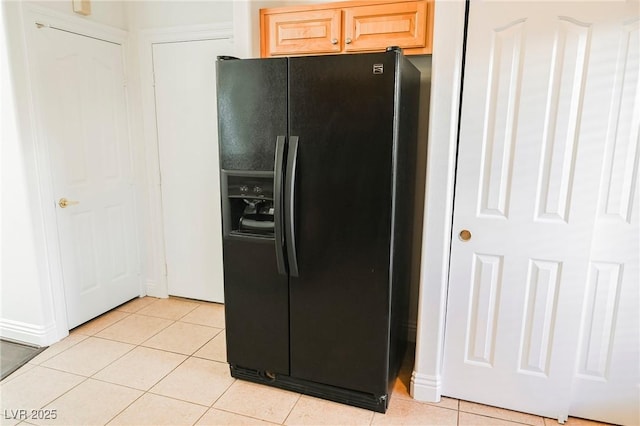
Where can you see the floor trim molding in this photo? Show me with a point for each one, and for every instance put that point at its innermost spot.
(28, 333)
(425, 387)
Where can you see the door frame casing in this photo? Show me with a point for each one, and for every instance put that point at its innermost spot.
(156, 279)
(446, 86)
(53, 280)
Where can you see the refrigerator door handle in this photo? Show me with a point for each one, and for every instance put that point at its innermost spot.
(289, 205)
(277, 203)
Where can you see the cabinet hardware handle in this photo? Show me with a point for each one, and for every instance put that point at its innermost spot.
(348, 40)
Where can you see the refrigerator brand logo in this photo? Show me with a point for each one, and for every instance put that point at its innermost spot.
(378, 68)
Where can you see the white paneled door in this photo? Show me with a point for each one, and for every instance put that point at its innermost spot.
(543, 294)
(606, 383)
(186, 112)
(81, 105)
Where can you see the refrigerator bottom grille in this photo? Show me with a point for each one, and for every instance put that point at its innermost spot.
(372, 402)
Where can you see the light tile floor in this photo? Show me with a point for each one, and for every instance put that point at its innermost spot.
(162, 362)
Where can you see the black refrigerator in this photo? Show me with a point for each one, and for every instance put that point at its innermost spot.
(317, 164)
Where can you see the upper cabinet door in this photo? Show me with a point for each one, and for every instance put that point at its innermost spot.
(309, 32)
(347, 27)
(379, 26)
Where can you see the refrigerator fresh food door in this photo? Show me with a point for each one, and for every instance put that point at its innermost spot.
(252, 114)
(341, 108)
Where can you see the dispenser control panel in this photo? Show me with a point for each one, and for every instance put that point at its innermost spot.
(250, 187)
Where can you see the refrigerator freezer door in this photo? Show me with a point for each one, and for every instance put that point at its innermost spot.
(252, 119)
(256, 306)
(252, 112)
(342, 109)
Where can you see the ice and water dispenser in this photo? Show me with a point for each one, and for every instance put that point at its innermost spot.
(248, 208)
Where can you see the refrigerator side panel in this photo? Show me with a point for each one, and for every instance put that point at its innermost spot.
(341, 108)
(252, 111)
(406, 153)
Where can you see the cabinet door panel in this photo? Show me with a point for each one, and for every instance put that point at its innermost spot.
(309, 32)
(379, 26)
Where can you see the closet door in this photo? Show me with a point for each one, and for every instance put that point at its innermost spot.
(81, 106)
(185, 95)
(525, 302)
(606, 384)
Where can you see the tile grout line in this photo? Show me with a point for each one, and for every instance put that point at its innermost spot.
(125, 408)
(98, 317)
(65, 392)
(174, 319)
(245, 415)
(166, 375)
(53, 356)
(109, 364)
(86, 378)
(144, 392)
(201, 416)
(118, 308)
(292, 408)
(501, 418)
(141, 345)
(149, 390)
(177, 399)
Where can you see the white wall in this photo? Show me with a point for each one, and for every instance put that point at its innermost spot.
(423, 63)
(246, 23)
(19, 257)
(162, 14)
(26, 311)
(30, 306)
(426, 380)
(151, 21)
(104, 12)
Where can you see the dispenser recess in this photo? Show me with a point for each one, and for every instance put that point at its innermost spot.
(248, 204)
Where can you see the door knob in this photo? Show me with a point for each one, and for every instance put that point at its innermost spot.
(334, 41)
(465, 235)
(64, 203)
(348, 40)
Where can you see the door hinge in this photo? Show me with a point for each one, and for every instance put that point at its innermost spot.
(153, 79)
(166, 269)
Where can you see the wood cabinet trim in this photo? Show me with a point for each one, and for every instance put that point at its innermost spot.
(269, 46)
(404, 31)
(285, 33)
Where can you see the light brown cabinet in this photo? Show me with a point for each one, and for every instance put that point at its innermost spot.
(347, 27)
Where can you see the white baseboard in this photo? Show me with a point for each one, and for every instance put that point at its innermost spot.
(425, 387)
(154, 289)
(28, 333)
